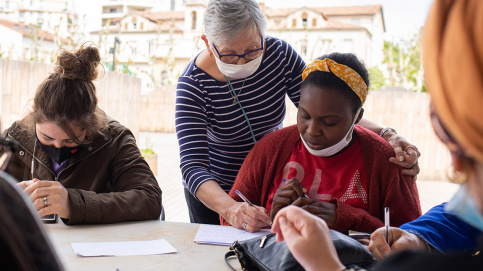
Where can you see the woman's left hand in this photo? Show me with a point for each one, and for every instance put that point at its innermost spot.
(406, 154)
(325, 210)
(308, 238)
(50, 192)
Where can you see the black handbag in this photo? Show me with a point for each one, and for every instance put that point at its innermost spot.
(265, 253)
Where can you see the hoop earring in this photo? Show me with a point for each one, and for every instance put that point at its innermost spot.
(457, 177)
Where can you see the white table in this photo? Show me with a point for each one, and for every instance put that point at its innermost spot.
(190, 255)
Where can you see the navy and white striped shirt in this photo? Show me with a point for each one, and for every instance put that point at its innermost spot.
(213, 134)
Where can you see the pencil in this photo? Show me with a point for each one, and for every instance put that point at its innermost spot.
(386, 222)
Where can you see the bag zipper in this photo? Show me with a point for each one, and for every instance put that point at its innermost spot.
(263, 240)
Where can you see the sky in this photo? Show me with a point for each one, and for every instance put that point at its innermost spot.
(403, 18)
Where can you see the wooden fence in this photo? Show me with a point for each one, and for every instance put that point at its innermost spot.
(401, 109)
(157, 110)
(119, 94)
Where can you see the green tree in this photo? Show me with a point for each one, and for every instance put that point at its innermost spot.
(376, 78)
(404, 63)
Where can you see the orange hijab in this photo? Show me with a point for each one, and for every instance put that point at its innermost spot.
(453, 60)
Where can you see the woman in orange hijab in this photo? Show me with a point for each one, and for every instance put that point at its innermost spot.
(453, 62)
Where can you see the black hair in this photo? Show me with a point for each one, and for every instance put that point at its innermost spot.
(328, 80)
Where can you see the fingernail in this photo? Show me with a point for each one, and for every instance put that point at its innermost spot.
(401, 158)
(282, 221)
(385, 253)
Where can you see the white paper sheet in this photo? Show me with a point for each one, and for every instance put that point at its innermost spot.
(224, 235)
(160, 246)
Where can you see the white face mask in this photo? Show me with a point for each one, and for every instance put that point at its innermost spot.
(239, 71)
(336, 147)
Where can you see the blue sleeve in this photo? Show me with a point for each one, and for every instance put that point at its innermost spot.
(191, 126)
(294, 68)
(444, 231)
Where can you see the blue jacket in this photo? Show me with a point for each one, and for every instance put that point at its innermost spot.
(444, 231)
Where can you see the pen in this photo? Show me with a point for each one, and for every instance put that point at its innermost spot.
(244, 199)
(305, 195)
(247, 201)
(386, 222)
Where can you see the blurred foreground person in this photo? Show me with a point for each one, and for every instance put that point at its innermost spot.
(24, 244)
(455, 82)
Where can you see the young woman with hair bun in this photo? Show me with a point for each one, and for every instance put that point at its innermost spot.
(74, 160)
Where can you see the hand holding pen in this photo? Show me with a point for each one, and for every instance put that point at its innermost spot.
(388, 240)
(253, 219)
(287, 193)
(303, 188)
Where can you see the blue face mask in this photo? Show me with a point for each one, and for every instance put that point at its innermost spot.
(463, 205)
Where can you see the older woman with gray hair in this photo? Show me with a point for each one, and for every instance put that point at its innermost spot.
(231, 95)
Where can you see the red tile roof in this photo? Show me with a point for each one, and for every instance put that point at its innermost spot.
(329, 11)
(163, 28)
(331, 24)
(350, 10)
(26, 31)
(279, 12)
(163, 15)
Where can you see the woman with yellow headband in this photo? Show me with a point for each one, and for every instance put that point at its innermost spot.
(326, 164)
(455, 82)
(230, 96)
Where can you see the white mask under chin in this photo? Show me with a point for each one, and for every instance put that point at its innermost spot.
(239, 71)
(336, 147)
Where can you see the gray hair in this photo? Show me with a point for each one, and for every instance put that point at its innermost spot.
(227, 19)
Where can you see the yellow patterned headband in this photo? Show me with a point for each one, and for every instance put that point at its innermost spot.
(345, 73)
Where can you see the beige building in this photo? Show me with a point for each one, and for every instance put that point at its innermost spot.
(157, 46)
(9, 10)
(317, 31)
(114, 10)
(27, 42)
(48, 15)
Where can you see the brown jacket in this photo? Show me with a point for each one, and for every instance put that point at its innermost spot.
(108, 181)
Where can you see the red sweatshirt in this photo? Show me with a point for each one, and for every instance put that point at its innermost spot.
(387, 186)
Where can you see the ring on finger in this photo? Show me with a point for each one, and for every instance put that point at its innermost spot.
(45, 201)
(245, 226)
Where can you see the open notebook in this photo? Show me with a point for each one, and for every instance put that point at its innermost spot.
(224, 235)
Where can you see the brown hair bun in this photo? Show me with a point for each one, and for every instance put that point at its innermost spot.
(68, 96)
(81, 64)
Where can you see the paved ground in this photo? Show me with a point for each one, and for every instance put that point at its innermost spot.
(431, 192)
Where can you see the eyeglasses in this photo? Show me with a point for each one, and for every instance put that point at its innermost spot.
(233, 58)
